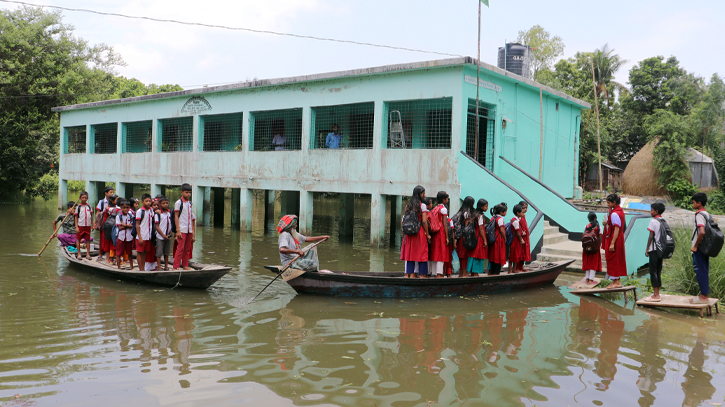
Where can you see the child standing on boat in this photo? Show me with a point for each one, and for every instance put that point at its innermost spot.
(525, 232)
(124, 241)
(84, 222)
(111, 211)
(460, 220)
(592, 262)
(439, 254)
(518, 245)
(614, 242)
(144, 228)
(497, 250)
(185, 230)
(477, 256)
(163, 233)
(414, 249)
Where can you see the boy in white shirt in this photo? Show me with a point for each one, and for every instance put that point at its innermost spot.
(84, 222)
(185, 228)
(163, 233)
(124, 241)
(700, 261)
(655, 261)
(144, 229)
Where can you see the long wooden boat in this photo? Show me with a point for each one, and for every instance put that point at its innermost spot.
(202, 275)
(395, 285)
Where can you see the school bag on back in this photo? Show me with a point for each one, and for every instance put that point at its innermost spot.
(590, 241)
(108, 227)
(665, 242)
(491, 230)
(713, 241)
(457, 225)
(435, 220)
(509, 234)
(470, 241)
(411, 223)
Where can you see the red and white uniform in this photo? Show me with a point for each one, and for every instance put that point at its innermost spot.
(517, 249)
(616, 260)
(481, 251)
(527, 238)
(497, 251)
(145, 227)
(85, 216)
(592, 261)
(163, 220)
(415, 247)
(438, 249)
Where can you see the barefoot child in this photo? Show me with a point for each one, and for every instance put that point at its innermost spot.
(700, 261)
(144, 228)
(464, 215)
(525, 231)
(497, 250)
(655, 261)
(592, 262)
(477, 256)
(84, 222)
(439, 254)
(414, 250)
(124, 241)
(163, 233)
(516, 256)
(614, 242)
(185, 230)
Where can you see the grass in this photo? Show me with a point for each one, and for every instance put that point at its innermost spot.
(678, 274)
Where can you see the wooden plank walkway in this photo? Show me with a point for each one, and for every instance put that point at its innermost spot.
(581, 284)
(592, 291)
(682, 302)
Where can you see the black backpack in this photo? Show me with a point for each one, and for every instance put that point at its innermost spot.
(713, 241)
(457, 225)
(665, 242)
(181, 210)
(411, 223)
(108, 227)
(470, 240)
(491, 228)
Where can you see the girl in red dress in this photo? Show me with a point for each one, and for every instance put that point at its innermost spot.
(109, 212)
(439, 254)
(450, 247)
(525, 231)
(592, 262)
(613, 244)
(414, 249)
(477, 256)
(518, 245)
(462, 217)
(497, 250)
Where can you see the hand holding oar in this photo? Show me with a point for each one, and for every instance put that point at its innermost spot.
(55, 232)
(305, 250)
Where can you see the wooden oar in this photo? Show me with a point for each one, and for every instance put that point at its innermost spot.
(55, 232)
(306, 249)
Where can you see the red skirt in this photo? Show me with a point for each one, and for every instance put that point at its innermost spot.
(527, 239)
(591, 261)
(439, 251)
(616, 260)
(460, 250)
(415, 247)
(517, 251)
(481, 251)
(497, 251)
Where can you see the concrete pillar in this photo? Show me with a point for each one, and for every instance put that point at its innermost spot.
(62, 193)
(197, 200)
(156, 190)
(377, 219)
(455, 203)
(347, 214)
(396, 208)
(306, 212)
(290, 203)
(246, 205)
(236, 206)
(206, 218)
(92, 192)
(120, 143)
(122, 189)
(100, 185)
(268, 206)
(218, 207)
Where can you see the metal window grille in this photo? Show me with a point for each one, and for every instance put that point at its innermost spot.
(486, 131)
(221, 132)
(420, 124)
(75, 140)
(104, 138)
(276, 130)
(355, 124)
(177, 134)
(137, 137)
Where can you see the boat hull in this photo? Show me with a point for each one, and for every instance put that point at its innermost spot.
(197, 278)
(393, 285)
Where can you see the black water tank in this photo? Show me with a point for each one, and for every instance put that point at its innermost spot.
(514, 58)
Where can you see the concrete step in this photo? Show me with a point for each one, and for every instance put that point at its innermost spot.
(551, 230)
(554, 239)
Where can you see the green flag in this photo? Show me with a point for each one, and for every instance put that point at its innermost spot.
(485, 2)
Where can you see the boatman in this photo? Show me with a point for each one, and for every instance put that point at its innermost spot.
(289, 245)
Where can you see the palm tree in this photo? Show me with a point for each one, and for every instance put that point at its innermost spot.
(606, 64)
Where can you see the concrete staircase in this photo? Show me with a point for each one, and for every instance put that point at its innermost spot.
(558, 247)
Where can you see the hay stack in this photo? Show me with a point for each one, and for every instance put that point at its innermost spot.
(640, 177)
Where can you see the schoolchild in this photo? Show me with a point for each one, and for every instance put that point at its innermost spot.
(67, 235)
(144, 228)
(462, 218)
(151, 263)
(414, 249)
(124, 241)
(518, 244)
(700, 261)
(497, 251)
(84, 222)
(163, 233)
(477, 256)
(655, 261)
(101, 207)
(592, 262)
(185, 228)
(134, 206)
(439, 254)
(111, 212)
(525, 231)
(613, 244)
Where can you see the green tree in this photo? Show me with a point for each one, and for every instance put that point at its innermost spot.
(544, 48)
(606, 63)
(674, 136)
(126, 88)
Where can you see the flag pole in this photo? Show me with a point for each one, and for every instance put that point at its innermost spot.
(478, 73)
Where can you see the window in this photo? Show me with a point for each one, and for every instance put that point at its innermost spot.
(104, 138)
(176, 134)
(486, 127)
(221, 132)
(276, 130)
(75, 140)
(424, 124)
(137, 137)
(346, 126)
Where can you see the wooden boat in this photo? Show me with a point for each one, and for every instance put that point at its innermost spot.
(395, 285)
(202, 275)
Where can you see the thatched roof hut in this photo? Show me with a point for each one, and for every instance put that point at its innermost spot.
(640, 177)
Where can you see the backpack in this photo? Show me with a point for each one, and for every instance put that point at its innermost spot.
(470, 241)
(114, 235)
(665, 242)
(436, 224)
(98, 225)
(509, 234)
(713, 241)
(411, 223)
(181, 210)
(491, 230)
(153, 230)
(590, 241)
(457, 225)
(108, 226)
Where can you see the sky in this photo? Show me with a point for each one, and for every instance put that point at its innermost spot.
(196, 56)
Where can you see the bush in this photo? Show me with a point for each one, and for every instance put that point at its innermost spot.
(76, 185)
(46, 187)
(682, 191)
(678, 274)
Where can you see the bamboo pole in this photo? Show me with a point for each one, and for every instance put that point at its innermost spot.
(55, 232)
(478, 74)
(541, 146)
(599, 140)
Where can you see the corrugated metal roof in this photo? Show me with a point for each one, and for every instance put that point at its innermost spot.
(694, 156)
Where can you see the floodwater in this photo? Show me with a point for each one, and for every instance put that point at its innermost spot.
(71, 339)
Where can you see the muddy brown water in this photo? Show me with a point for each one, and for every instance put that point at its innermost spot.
(71, 339)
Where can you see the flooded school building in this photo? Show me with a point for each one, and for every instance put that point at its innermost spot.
(398, 126)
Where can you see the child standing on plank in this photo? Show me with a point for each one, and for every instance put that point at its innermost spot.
(592, 262)
(497, 251)
(464, 215)
(700, 261)
(518, 245)
(67, 237)
(477, 256)
(414, 250)
(614, 242)
(124, 241)
(84, 223)
(525, 231)
(655, 261)
(185, 228)
(163, 233)
(144, 228)
(439, 254)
